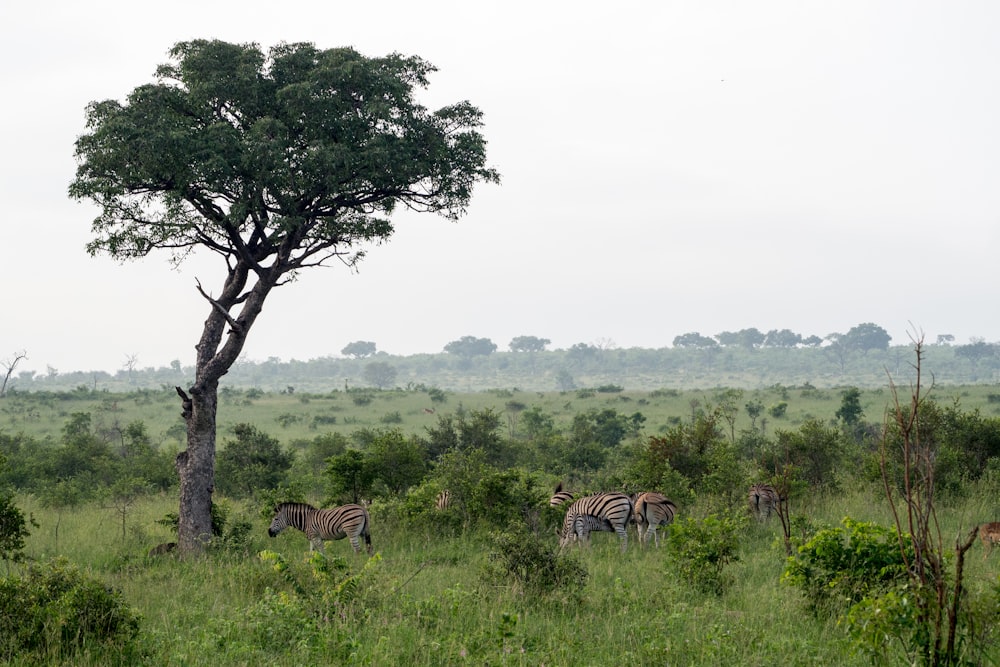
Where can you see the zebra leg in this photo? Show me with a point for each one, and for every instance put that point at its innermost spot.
(355, 544)
(623, 534)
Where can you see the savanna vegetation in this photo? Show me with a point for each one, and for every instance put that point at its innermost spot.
(843, 575)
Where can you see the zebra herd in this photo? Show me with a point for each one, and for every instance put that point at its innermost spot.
(610, 512)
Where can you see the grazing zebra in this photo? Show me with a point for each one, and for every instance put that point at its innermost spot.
(763, 500)
(443, 501)
(602, 511)
(989, 533)
(349, 521)
(560, 497)
(653, 510)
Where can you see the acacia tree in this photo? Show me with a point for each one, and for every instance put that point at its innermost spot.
(273, 162)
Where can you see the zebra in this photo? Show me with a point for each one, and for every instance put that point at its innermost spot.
(652, 510)
(443, 501)
(602, 511)
(763, 500)
(560, 496)
(349, 521)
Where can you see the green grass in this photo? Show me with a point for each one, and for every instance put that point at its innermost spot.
(422, 601)
(291, 417)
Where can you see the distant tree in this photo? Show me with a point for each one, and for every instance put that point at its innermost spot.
(867, 336)
(470, 346)
(815, 450)
(605, 344)
(9, 365)
(380, 374)
(582, 352)
(694, 340)
(564, 380)
(750, 339)
(945, 339)
(755, 408)
(606, 427)
(976, 351)
(397, 461)
(350, 476)
(812, 341)
(783, 338)
(272, 162)
(850, 411)
(838, 349)
(727, 407)
(475, 429)
(528, 344)
(131, 363)
(728, 338)
(359, 349)
(251, 462)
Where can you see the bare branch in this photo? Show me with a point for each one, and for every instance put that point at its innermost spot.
(9, 366)
(219, 308)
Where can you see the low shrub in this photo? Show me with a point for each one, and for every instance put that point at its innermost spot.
(57, 612)
(702, 548)
(838, 567)
(532, 566)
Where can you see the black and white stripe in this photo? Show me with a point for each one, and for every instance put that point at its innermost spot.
(443, 501)
(763, 501)
(560, 497)
(653, 510)
(350, 521)
(602, 512)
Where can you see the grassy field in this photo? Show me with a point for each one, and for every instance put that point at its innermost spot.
(422, 600)
(428, 596)
(291, 417)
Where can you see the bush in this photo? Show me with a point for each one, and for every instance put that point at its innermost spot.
(13, 529)
(56, 611)
(838, 567)
(532, 566)
(702, 549)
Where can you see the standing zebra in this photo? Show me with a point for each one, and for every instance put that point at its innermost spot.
(349, 521)
(763, 500)
(653, 510)
(602, 511)
(560, 497)
(443, 501)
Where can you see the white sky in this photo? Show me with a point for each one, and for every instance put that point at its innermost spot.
(667, 167)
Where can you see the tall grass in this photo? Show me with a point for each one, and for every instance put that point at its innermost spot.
(424, 601)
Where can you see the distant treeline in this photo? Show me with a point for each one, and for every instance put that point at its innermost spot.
(692, 364)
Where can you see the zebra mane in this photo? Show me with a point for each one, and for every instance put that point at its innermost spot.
(292, 505)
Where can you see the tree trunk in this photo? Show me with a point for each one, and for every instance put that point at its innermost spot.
(196, 468)
(196, 465)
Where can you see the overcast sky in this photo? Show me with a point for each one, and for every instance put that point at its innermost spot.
(667, 167)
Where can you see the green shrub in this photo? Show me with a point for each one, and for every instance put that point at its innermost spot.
(57, 611)
(532, 566)
(701, 549)
(13, 528)
(838, 567)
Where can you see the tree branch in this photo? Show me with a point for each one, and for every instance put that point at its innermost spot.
(220, 309)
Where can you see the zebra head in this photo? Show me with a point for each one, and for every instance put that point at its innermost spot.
(279, 522)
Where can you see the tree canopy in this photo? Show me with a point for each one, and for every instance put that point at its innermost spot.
(470, 346)
(359, 349)
(275, 162)
(528, 344)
